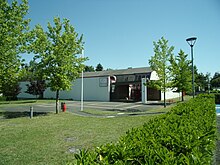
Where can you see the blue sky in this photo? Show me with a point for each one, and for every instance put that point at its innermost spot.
(120, 33)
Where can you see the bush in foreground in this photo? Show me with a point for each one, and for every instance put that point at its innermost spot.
(185, 135)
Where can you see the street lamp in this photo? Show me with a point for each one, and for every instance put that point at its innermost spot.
(191, 41)
(81, 107)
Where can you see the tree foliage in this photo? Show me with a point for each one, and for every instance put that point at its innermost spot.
(12, 90)
(29, 72)
(215, 81)
(180, 72)
(99, 67)
(36, 88)
(13, 38)
(160, 63)
(57, 50)
(89, 68)
(201, 81)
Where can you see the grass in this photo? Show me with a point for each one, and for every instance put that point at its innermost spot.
(33, 101)
(48, 139)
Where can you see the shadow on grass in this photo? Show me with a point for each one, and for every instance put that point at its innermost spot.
(133, 110)
(124, 110)
(147, 113)
(128, 112)
(18, 102)
(11, 115)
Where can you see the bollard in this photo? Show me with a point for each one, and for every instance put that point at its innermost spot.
(31, 112)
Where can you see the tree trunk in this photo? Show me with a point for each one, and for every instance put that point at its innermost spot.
(164, 86)
(164, 94)
(182, 95)
(57, 102)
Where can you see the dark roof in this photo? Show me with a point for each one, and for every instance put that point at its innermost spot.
(117, 72)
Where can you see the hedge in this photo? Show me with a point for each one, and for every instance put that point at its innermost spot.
(185, 135)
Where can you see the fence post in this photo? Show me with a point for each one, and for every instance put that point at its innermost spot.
(31, 112)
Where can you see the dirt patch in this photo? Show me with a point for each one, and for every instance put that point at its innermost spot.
(70, 139)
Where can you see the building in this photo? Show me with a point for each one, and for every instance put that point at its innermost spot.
(111, 85)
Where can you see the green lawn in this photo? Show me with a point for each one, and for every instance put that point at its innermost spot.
(49, 139)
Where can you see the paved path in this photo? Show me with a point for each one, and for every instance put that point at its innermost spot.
(122, 108)
(75, 106)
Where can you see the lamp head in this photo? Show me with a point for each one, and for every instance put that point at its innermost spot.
(191, 41)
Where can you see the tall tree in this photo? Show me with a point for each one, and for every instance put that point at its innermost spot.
(13, 37)
(180, 73)
(215, 81)
(57, 51)
(160, 63)
(201, 82)
(99, 67)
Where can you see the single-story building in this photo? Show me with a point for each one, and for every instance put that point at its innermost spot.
(111, 85)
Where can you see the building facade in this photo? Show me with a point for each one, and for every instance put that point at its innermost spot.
(111, 85)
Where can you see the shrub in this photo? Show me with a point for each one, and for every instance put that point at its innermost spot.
(217, 98)
(2, 98)
(185, 135)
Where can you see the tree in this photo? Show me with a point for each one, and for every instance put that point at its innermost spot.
(160, 63)
(56, 51)
(12, 90)
(30, 73)
(108, 69)
(13, 38)
(215, 81)
(89, 69)
(180, 73)
(201, 82)
(36, 88)
(99, 67)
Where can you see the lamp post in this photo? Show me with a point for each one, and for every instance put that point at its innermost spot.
(81, 107)
(191, 41)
